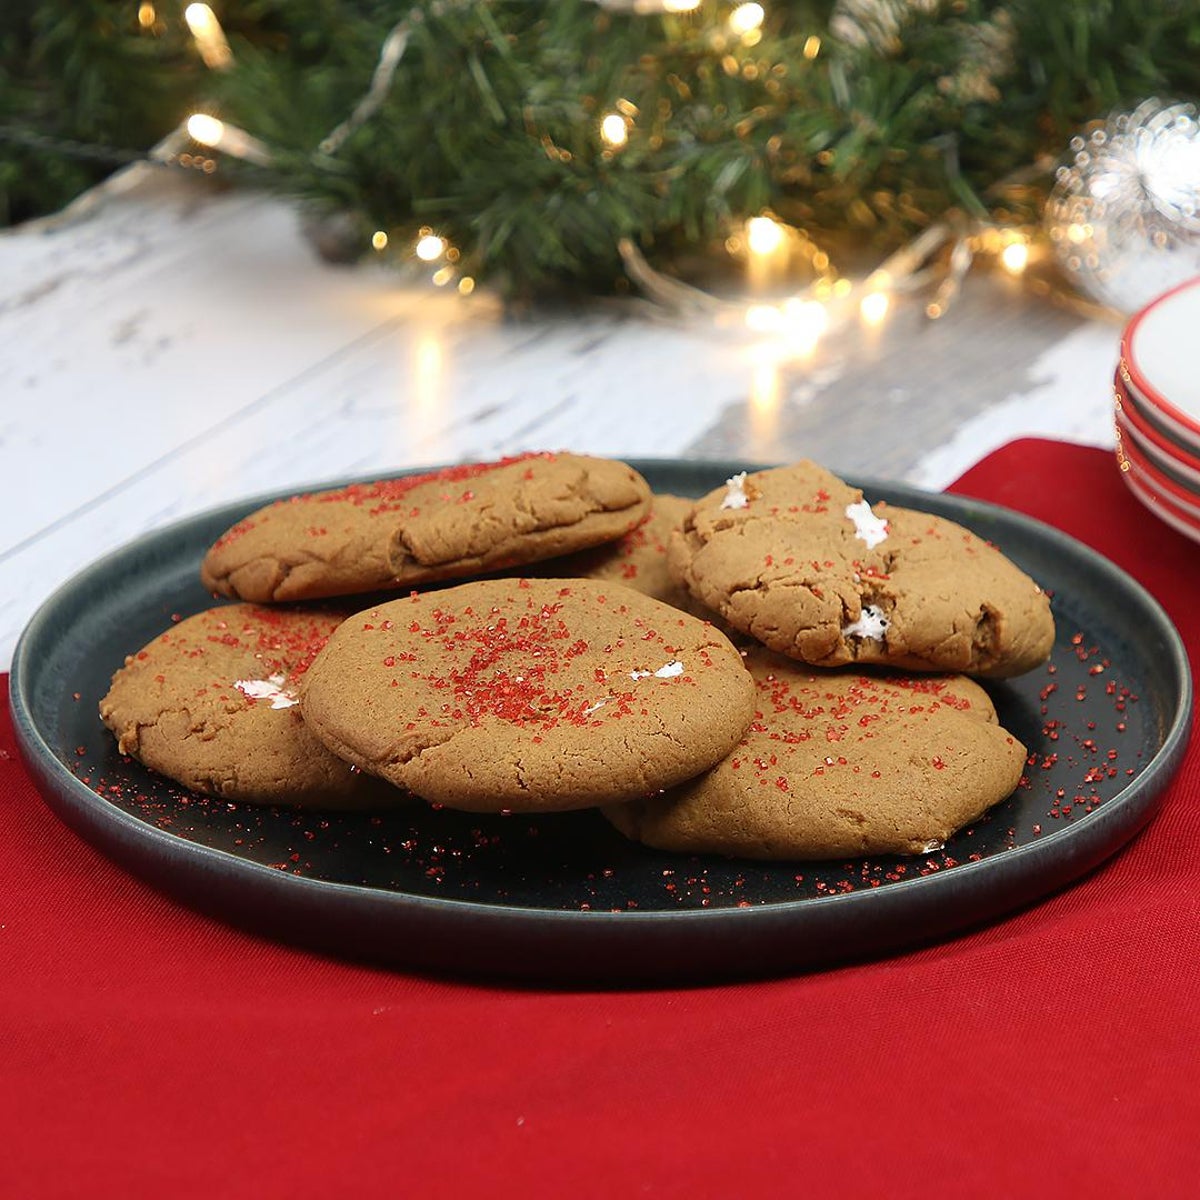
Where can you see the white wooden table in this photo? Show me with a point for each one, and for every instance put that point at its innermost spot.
(183, 347)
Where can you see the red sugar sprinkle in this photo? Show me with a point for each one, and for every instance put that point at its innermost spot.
(283, 643)
(233, 533)
(511, 667)
(388, 495)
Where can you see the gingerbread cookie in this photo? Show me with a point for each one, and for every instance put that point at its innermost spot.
(799, 560)
(638, 560)
(211, 703)
(528, 694)
(447, 524)
(840, 764)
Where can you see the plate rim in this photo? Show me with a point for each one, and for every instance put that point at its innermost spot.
(1128, 410)
(114, 829)
(1156, 479)
(1138, 378)
(1128, 434)
(1160, 506)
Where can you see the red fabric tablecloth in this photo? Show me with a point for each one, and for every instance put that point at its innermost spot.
(149, 1051)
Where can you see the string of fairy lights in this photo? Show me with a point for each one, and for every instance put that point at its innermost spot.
(937, 260)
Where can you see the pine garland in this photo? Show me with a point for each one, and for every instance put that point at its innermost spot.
(858, 121)
(81, 92)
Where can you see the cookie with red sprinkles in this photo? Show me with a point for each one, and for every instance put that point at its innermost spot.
(528, 694)
(638, 560)
(449, 524)
(840, 764)
(211, 703)
(802, 562)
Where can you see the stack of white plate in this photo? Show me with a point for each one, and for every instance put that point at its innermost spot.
(1157, 397)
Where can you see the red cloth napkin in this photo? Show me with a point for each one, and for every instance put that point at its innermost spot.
(149, 1051)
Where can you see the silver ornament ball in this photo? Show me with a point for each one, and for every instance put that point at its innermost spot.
(1124, 212)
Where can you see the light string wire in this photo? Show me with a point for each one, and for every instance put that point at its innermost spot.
(120, 182)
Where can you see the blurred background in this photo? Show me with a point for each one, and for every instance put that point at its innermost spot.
(569, 148)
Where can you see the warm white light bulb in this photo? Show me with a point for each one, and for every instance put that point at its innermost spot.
(614, 130)
(229, 139)
(746, 17)
(1014, 257)
(210, 37)
(206, 130)
(874, 307)
(680, 6)
(763, 235)
(199, 17)
(379, 239)
(146, 15)
(430, 247)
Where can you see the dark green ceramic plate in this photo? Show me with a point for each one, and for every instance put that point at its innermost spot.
(563, 898)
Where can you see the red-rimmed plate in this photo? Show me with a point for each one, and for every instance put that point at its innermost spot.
(1171, 459)
(1164, 498)
(1159, 360)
